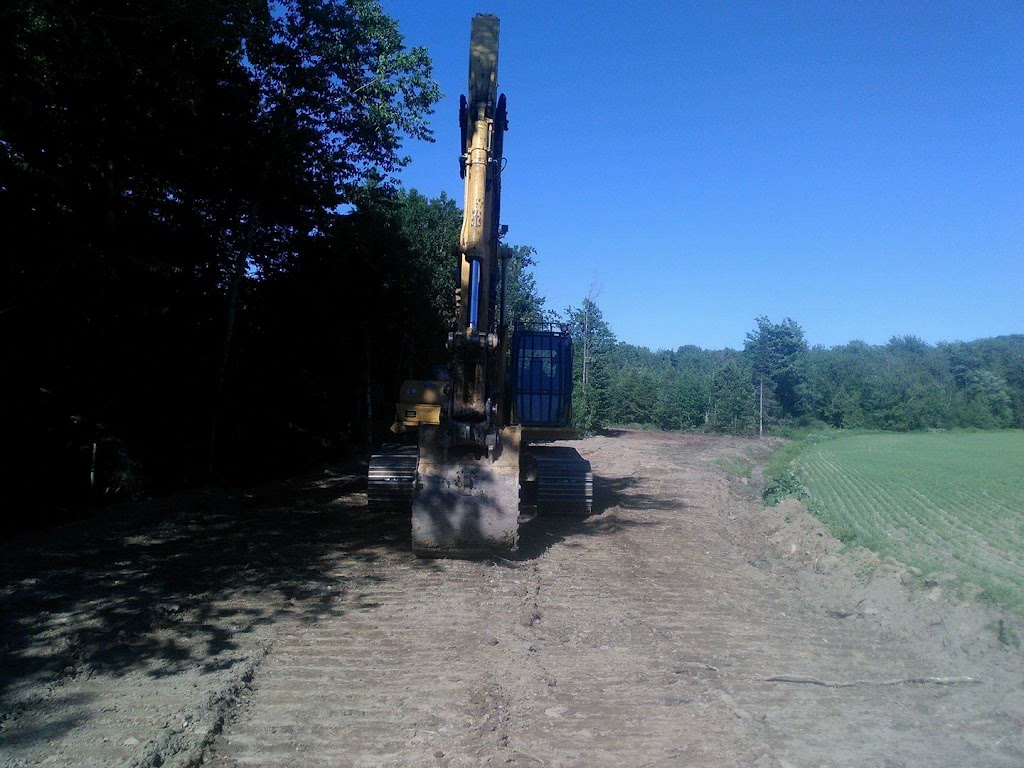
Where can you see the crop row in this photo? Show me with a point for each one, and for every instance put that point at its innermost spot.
(915, 506)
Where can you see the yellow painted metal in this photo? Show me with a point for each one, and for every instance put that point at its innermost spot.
(419, 402)
(465, 504)
(479, 347)
(426, 391)
(466, 497)
(409, 416)
(476, 241)
(472, 467)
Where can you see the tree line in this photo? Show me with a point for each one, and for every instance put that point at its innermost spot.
(213, 273)
(777, 380)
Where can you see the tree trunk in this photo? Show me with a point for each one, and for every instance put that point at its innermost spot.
(760, 411)
(369, 390)
(241, 267)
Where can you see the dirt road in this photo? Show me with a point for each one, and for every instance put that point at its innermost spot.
(683, 624)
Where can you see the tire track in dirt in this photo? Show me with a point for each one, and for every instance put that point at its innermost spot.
(387, 679)
(646, 635)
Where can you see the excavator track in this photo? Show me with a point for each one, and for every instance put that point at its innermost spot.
(565, 482)
(392, 477)
(560, 482)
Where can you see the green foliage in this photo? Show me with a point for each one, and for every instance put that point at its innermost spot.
(988, 402)
(594, 366)
(733, 408)
(524, 304)
(429, 230)
(777, 356)
(394, 252)
(168, 172)
(782, 486)
(681, 402)
(781, 481)
(905, 385)
(634, 395)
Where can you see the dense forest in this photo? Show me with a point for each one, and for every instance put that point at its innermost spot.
(213, 273)
(776, 380)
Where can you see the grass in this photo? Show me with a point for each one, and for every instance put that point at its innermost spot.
(943, 502)
(737, 466)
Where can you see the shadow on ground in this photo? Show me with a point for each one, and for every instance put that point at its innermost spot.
(170, 585)
(614, 497)
(166, 586)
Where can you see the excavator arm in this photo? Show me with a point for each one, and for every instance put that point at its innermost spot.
(478, 341)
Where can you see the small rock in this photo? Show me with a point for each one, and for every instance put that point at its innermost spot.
(131, 741)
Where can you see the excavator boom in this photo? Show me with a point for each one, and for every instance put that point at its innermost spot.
(470, 470)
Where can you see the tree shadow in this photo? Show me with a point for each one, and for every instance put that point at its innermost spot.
(178, 584)
(73, 708)
(538, 533)
(185, 583)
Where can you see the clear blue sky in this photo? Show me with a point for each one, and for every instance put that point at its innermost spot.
(857, 166)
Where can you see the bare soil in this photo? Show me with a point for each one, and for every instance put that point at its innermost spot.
(683, 624)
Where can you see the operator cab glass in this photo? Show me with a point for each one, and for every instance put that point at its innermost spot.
(542, 375)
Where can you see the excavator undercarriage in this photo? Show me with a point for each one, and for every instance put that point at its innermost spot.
(466, 505)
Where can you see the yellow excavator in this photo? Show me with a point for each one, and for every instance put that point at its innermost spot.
(478, 437)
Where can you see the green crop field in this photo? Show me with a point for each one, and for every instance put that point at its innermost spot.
(943, 502)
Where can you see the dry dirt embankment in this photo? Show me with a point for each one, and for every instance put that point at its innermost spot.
(682, 624)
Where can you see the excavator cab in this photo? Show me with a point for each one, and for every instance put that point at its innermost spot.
(541, 376)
